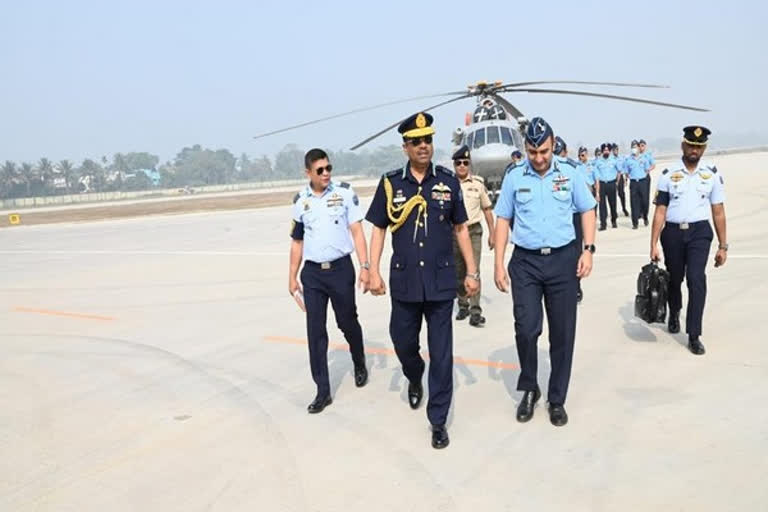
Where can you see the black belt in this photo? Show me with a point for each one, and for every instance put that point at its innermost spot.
(686, 225)
(641, 179)
(328, 265)
(544, 251)
(610, 181)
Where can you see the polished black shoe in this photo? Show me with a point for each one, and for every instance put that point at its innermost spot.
(626, 213)
(673, 325)
(476, 320)
(361, 375)
(614, 225)
(696, 346)
(319, 403)
(645, 221)
(634, 226)
(439, 437)
(462, 314)
(415, 393)
(601, 228)
(528, 402)
(557, 415)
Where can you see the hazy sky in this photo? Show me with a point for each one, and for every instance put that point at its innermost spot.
(85, 79)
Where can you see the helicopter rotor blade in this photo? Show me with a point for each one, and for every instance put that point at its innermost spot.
(508, 106)
(382, 132)
(356, 111)
(610, 96)
(577, 82)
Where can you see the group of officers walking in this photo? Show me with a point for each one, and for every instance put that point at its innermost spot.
(546, 205)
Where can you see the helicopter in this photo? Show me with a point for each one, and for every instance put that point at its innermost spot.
(495, 129)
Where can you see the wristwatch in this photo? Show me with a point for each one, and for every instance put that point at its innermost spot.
(475, 276)
(723, 247)
(366, 265)
(590, 248)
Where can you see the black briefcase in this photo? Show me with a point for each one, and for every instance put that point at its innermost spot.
(652, 290)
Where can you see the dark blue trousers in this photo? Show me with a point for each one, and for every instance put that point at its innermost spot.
(577, 228)
(336, 283)
(685, 255)
(404, 328)
(552, 277)
(607, 198)
(638, 199)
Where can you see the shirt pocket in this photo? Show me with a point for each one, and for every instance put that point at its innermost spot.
(704, 188)
(523, 199)
(445, 274)
(563, 198)
(398, 278)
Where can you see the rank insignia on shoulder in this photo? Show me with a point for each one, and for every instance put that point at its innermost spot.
(665, 171)
(344, 184)
(296, 197)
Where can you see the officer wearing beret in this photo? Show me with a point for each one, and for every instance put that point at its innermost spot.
(650, 165)
(635, 168)
(607, 172)
(540, 195)
(478, 206)
(326, 228)
(621, 178)
(422, 205)
(687, 192)
(517, 156)
(587, 166)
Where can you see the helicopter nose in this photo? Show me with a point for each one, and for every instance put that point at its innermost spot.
(491, 159)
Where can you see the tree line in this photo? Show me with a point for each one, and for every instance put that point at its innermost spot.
(194, 166)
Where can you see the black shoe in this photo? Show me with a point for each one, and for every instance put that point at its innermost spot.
(613, 224)
(415, 393)
(319, 403)
(361, 375)
(557, 415)
(626, 213)
(695, 346)
(462, 314)
(645, 221)
(439, 437)
(476, 320)
(525, 409)
(673, 325)
(601, 228)
(634, 226)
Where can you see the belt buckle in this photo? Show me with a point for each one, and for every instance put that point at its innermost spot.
(684, 225)
(325, 265)
(546, 251)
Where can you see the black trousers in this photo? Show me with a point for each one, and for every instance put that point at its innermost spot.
(647, 196)
(404, 328)
(607, 191)
(337, 284)
(620, 184)
(552, 277)
(685, 255)
(638, 199)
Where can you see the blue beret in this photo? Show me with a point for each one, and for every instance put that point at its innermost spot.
(537, 132)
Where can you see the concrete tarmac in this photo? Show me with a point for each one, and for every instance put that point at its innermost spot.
(160, 364)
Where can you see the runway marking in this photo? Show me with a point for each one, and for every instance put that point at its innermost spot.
(20, 309)
(278, 254)
(390, 352)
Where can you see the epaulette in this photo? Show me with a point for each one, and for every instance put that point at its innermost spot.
(665, 171)
(478, 178)
(392, 174)
(446, 171)
(573, 162)
(296, 197)
(344, 184)
(714, 169)
(511, 167)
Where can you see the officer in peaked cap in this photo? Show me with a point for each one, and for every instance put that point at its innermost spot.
(479, 207)
(538, 197)
(687, 192)
(422, 205)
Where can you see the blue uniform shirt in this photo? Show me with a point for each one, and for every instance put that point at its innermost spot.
(606, 169)
(689, 196)
(323, 221)
(589, 172)
(635, 167)
(422, 266)
(541, 207)
(619, 162)
(648, 157)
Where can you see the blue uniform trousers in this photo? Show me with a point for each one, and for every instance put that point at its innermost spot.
(607, 198)
(336, 283)
(638, 199)
(685, 255)
(552, 277)
(404, 328)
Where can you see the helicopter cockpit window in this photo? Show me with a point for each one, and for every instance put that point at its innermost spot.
(479, 138)
(506, 136)
(470, 138)
(493, 134)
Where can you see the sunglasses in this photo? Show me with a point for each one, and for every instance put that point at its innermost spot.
(457, 163)
(321, 170)
(416, 141)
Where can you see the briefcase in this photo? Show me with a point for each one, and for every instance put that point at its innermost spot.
(652, 290)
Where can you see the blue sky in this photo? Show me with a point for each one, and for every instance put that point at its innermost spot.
(85, 79)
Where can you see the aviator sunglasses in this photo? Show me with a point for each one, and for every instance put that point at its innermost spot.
(465, 163)
(416, 141)
(321, 170)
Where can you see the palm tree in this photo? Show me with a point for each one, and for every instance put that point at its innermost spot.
(45, 171)
(28, 174)
(68, 171)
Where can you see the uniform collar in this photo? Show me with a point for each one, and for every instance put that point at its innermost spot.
(531, 171)
(407, 172)
(310, 193)
(468, 178)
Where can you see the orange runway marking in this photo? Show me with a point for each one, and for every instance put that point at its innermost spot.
(63, 313)
(390, 352)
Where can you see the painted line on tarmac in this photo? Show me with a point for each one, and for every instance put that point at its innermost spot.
(49, 312)
(277, 254)
(390, 352)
